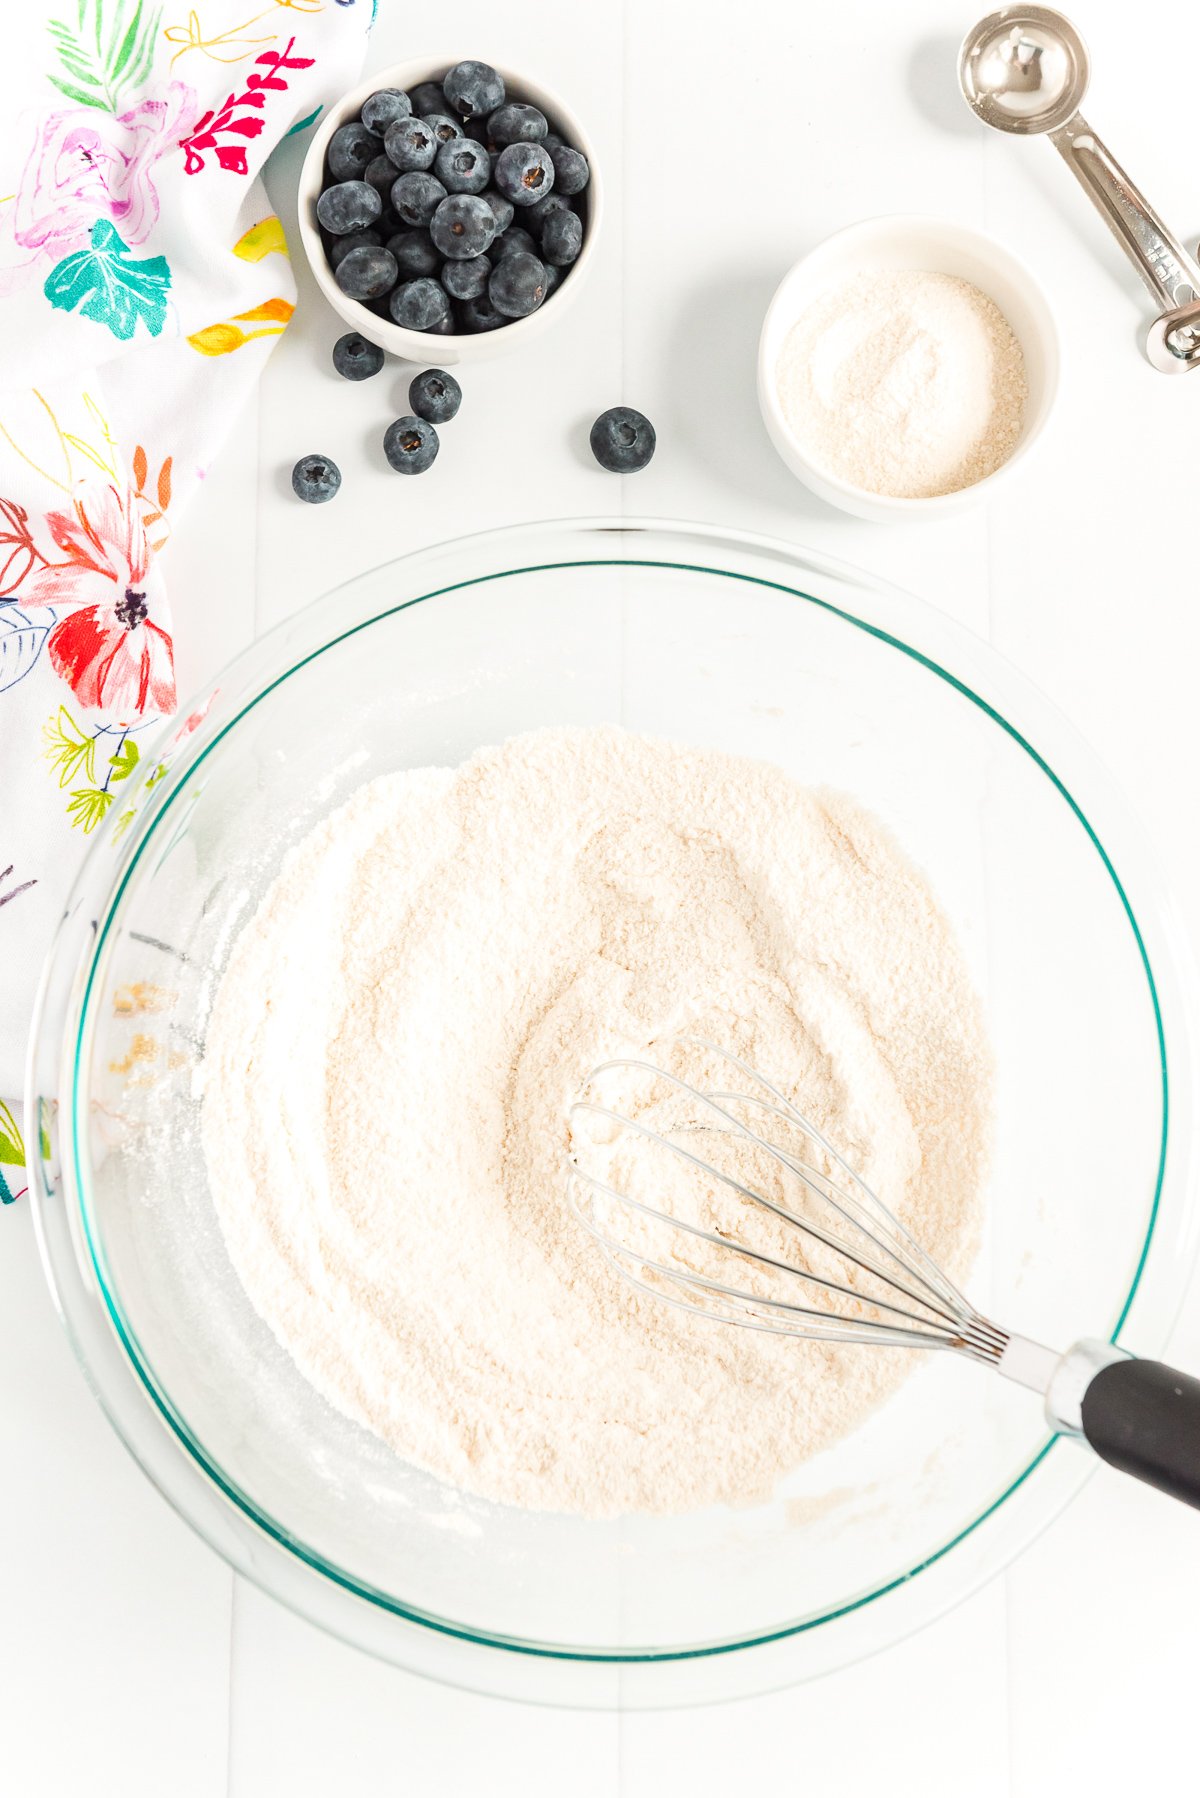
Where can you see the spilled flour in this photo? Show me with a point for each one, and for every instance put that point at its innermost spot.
(401, 1029)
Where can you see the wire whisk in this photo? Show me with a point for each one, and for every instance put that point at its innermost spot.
(724, 1200)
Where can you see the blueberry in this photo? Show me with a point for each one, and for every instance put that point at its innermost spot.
(524, 173)
(379, 173)
(512, 242)
(348, 207)
(463, 166)
(480, 315)
(316, 479)
(571, 171)
(427, 97)
(562, 238)
(414, 253)
(445, 326)
(353, 240)
(350, 150)
(366, 272)
(534, 217)
(514, 124)
(473, 89)
(553, 140)
(410, 445)
(622, 440)
(467, 280)
(443, 126)
(517, 285)
(419, 305)
(410, 144)
(417, 196)
(435, 396)
(503, 211)
(355, 359)
(384, 108)
(463, 226)
(554, 276)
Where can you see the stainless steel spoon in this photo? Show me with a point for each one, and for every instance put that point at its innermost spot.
(1025, 69)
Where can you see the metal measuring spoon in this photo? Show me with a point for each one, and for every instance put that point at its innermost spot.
(1025, 69)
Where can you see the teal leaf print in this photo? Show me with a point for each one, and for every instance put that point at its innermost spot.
(110, 286)
(101, 56)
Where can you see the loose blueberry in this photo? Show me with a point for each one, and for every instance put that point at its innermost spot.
(516, 124)
(463, 166)
(410, 144)
(463, 226)
(534, 217)
(410, 445)
(443, 126)
(517, 285)
(366, 273)
(417, 196)
(350, 150)
(571, 171)
(427, 97)
(379, 173)
(384, 108)
(466, 280)
(354, 240)
(512, 242)
(415, 254)
(474, 89)
(622, 440)
(480, 315)
(435, 396)
(355, 359)
(562, 238)
(419, 305)
(349, 206)
(316, 479)
(524, 173)
(503, 211)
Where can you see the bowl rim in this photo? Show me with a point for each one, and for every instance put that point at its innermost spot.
(887, 507)
(263, 1550)
(455, 346)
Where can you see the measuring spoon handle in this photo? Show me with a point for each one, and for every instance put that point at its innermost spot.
(1161, 260)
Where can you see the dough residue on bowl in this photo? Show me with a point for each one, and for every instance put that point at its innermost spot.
(396, 1041)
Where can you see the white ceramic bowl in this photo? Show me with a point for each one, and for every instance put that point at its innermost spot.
(423, 346)
(907, 241)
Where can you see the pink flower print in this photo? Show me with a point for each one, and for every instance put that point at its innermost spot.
(108, 648)
(86, 165)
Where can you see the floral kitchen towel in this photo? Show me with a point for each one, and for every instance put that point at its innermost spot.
(143, 280)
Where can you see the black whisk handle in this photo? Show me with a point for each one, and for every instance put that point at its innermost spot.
(1143, 1418)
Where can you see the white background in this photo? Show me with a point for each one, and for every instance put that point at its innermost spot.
(733, 138)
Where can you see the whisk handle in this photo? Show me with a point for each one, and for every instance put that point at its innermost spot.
(1144, 1419)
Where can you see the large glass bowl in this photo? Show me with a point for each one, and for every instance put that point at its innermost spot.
(713, 639)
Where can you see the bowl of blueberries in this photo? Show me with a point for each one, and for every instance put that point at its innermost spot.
(452, 202)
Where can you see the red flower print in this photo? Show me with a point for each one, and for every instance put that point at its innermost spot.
(108, 647)
(228, 120)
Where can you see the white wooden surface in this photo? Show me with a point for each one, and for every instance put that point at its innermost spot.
(133, 1662)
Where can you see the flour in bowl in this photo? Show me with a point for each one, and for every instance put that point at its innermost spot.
(398, 1036)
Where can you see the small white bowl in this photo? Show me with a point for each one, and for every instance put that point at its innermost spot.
(426, 346)
(907, 241)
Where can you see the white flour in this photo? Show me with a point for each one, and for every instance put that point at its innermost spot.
(403, 1025)
(904, 382)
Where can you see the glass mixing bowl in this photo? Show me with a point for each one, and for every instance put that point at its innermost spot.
(714, 639)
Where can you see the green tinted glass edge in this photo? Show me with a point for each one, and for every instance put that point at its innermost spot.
(164, 1405)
